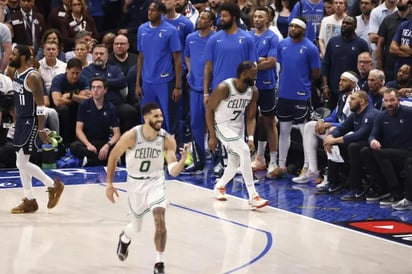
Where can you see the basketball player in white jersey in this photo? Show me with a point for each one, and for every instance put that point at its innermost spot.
(225, 115)
(144, 146)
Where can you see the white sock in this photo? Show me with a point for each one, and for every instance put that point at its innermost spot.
(273, 157)
(159, 256)
(125, 239)
(261, 148)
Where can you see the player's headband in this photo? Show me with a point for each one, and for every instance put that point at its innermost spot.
(297, 21)
(350, 77)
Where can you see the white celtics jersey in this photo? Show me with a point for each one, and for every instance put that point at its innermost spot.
(145, 159)
(230, 112)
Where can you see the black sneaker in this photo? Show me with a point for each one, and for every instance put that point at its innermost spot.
(328, 188)
(354, 196)
(122, 248)
(159, 268)
(374, 196)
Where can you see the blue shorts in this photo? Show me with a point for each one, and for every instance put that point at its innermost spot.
(26, 135)
(267, 102)
(292, 110)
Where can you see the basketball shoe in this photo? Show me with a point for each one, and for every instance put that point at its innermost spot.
(55, 193)
(27, 206)
(159, 268)
(257, 202)
(220, 193)
(122, 248)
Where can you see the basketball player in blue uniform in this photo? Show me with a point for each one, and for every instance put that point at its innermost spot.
(300, 66)
(266, 44)
(159, 64)
(144, 146)
(228, 105)
(195, 60)
(29, 130)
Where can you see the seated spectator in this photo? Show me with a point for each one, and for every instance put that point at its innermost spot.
(77, 20)
(5, 46)
(97, 126)
(116, 82)
(121, 56)
(350, 136)
(403, 82)
(376, 80)
(390, 145)
(364, 66)
(68, 90)
(52, 35)
(86, 37)
(319, 129)
(7, 117)
(108, 40)
(81, 52)
(50, 66)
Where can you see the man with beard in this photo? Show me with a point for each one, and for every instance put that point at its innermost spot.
(186, 8)
(116, 81)
(29, 128)
(230, 103)
(362, 20)
(224, 51)
(159, 63)
(300, 67)
(351, 136)
(145, 146)
(387, 29)
(390, 144)
(314, 130)
(401, 45)
(403, 82)
(341, 55)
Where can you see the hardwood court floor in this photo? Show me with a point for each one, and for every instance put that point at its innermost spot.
(204, 236)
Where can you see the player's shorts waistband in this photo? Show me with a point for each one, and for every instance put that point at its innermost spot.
(143, 177)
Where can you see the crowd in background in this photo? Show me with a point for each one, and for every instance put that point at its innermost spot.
(310, 55)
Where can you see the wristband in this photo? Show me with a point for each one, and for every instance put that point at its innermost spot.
(206, 94)
(171, 166)
(250, 138)
(40, 110)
